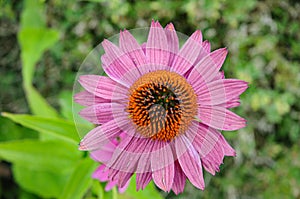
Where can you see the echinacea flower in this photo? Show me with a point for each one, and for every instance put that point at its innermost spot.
(159, 110)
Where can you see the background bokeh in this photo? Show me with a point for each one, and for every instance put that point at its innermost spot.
(43, 44)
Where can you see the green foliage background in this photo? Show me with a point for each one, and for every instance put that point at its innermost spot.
(43, 44)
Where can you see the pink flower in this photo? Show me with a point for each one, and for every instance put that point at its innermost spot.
(160, 110)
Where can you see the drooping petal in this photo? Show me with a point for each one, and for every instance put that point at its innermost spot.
(100, 174)
(122, 177)
(103, 87)
(209, 145)
(133, 49)
(220, 118)
(157, 50)
(127, 154)
(173, 42)
(117, 65)
(190, 161)
(188, 54)
(162, 165)
(104, 154)
(101, 135)
(228, 150)
(142, 180)
(124, 188)
(220, 91)
(110, 185)
(206, 70)
(85, 98)
(179, 179)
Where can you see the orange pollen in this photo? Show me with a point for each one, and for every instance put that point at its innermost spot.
(161, 105)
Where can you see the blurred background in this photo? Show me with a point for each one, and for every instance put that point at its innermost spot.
(43, 44)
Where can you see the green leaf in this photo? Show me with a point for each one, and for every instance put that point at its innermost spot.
(57, 128)
(38, 105)
(35, 39)
(34, 42)
(9, 130)
(65, 102)
(131, 192)
(33, 14)
(46, 184)
(80, 180)
(51, 156)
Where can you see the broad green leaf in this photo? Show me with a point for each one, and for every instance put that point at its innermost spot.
(80, 180)
(26, 195)
(43, 155)
(9, 130)
(45, 184)
(131, 192)
(58, 128)
(38, 105)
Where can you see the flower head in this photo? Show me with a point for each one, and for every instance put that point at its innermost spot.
(160, 110)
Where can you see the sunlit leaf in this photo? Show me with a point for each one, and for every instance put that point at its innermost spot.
(80, 180)
(43, 155)
(46, 184)
(57, 128)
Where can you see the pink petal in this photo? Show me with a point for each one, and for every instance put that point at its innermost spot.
(101, 135)
(220, 75)
(162, 165)
(125, 158)
(157, 51)
(100, 174)
(124, 188)
(220, 118)
(206, 70)
(228, 150)
(110, 185)
(164, 177)
(220, 91)
(102, 113)
(208, 143)
(188, 53)
(179, 179)
(173, 42)
(204, 52)
(144, 164)
(103, 87)
(142, 180)
(232, 103)
(85, 98)
(121, 177)
(98, 114)
(143, 46)
(117, 65)
(105, 153)
(190, 162)
(132, 48)
(206, 46)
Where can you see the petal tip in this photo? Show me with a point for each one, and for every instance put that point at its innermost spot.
(170, 27)
(82, 147)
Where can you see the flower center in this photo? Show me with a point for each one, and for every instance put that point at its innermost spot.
(161, 105)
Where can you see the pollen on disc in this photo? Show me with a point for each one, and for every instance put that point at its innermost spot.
(161, 105)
